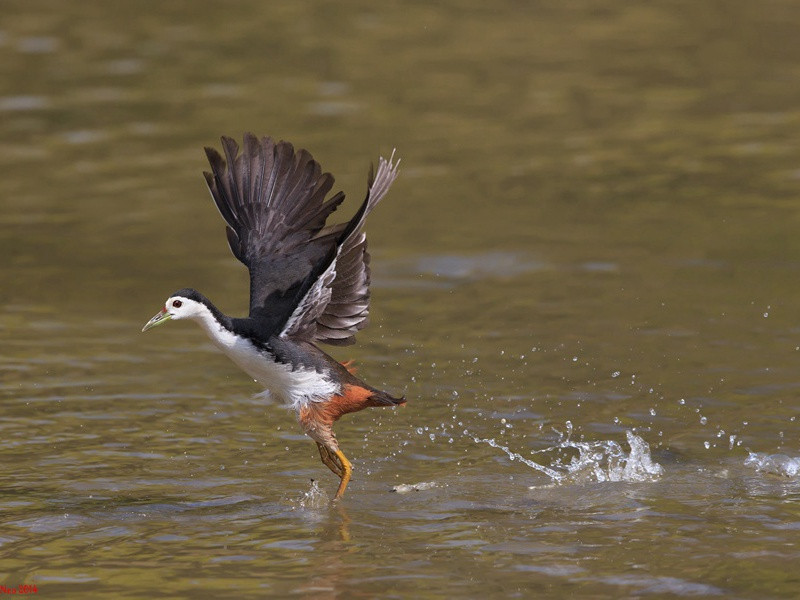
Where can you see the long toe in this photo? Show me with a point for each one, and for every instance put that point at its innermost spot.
(331, 461)
(348, 469)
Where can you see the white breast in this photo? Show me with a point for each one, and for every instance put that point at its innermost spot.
(295, 387)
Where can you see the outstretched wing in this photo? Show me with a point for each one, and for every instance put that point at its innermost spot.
(273, 201)
(335, 303)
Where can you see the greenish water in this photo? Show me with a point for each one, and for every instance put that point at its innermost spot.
(594, 232)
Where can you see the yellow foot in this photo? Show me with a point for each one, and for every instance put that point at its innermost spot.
(345, 476)
(337, 462)
(330, 460)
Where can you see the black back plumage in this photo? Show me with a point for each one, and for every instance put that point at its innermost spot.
(307, 280)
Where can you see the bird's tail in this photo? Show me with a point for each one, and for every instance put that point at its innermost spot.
(380, 398)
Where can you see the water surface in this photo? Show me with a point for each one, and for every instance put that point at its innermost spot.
(593, 242)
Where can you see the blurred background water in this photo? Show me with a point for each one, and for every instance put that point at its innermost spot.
(585, 282)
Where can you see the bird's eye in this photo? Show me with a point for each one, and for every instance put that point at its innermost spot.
(177, 303)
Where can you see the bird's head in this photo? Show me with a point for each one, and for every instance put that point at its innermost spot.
(183, 304)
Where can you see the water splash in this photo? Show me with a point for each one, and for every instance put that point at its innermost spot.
(776, 464)
(606, 460)
(315, 497)
(554, 475)
(603, 460)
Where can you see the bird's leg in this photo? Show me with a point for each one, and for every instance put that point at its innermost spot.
(318, 427)
(329, 460)
(347, 468)
(337, 462)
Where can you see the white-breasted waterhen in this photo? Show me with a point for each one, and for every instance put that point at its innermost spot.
(309, 283)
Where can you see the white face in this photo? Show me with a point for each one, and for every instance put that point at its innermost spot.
(179, 307)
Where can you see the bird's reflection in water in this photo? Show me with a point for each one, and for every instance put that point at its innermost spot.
(332, 573)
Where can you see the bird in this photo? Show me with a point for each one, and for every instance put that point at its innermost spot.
(309, 283)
